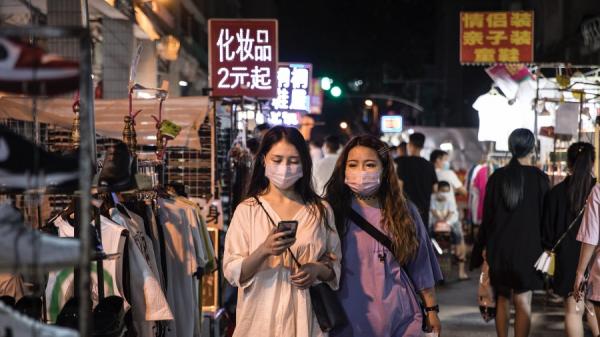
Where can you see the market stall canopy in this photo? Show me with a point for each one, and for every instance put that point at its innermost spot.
(467, 150)
(187, 112)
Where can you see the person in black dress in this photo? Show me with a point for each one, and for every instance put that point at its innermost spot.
(510, 232)
(563, 204)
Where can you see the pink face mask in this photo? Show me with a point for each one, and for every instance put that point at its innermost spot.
(363, 183)
(283, 176)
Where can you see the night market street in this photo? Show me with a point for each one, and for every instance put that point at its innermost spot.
(280, 168)
(461, 317)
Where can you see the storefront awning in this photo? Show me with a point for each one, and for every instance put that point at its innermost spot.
(187, 112)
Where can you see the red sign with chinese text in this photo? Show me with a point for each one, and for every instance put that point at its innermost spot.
(496, 37)
(243, 57)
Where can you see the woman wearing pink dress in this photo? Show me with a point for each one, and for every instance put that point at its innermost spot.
(589, 236)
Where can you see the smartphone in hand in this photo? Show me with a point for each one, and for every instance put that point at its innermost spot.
(290, 225)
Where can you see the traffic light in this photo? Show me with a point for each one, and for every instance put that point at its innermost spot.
(326, 83)
(336, 91)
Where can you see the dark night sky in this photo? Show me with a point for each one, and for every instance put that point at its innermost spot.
(348, 39)
(351, 39)
(409, 49)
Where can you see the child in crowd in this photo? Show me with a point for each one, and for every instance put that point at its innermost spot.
(443, 217)
(443, 212)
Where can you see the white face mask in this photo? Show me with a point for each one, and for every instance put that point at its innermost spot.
(443, 196)
(363, 183)
(283, 176)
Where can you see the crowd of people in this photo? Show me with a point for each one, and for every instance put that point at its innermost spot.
(360, 217)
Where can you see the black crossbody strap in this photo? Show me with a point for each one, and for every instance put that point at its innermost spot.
(265, 210)
(376, 234)
(274, 225)
(573, 223)
(370, 229)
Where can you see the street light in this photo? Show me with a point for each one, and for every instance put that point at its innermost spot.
(343, 125)
(368, 103)
(183, 83)
(326, 83)
(448, 147)
(336, 91)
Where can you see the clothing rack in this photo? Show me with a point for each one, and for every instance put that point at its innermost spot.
(586, 95)
(87, 146)
(83, 197)
(582, 92)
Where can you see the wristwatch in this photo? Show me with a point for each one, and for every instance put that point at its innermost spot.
(435, 308)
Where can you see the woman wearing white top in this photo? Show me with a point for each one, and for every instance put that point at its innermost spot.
(273, 297)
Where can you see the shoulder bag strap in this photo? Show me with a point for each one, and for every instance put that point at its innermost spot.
(568, 229)
(274, 225)
(376, 234)
(370, 229)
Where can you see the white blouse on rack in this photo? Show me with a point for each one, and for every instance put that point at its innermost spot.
(268, 304)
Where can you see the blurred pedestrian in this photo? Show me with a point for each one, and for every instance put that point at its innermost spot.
(417, 175)
(563, 205)
(510, 232)
(394, 152)
(402, 149)
(587, 276)
(260, 130)
(379, 286)
(444, 217)
(252, 145)
(441, 161)
(316, 150)
(273, 296)
(324, 167)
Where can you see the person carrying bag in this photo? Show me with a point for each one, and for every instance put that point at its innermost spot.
(564, 208)
(387, 243)
(325, 304)
(274, 292)
(381, 284)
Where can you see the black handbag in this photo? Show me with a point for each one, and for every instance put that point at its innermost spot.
(387, 243)
(325, 303)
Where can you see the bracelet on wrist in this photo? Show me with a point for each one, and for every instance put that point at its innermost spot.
(435, 308)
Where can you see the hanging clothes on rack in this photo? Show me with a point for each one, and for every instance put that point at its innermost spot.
(203, 245)
(477, 193)
(203, 248)
(477, 182)
(145, 209)
(149, 303)
(60, 287)
(12, 285)
(144, 295)
(185, 257)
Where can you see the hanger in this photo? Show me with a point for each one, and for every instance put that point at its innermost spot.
(493, 90)
(162, 193)
(118, 205)
(66, 213)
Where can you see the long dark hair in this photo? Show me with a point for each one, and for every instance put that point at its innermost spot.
(580, 159)
(259, 183)
(396, 219)
(520, 143)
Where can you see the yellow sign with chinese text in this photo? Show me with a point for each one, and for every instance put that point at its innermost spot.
(496, 37)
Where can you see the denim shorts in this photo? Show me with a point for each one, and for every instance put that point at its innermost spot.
(457, 233)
